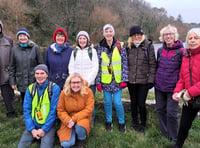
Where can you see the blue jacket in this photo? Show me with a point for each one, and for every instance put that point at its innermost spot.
(57, 63)
(113, 86)
(27, 106)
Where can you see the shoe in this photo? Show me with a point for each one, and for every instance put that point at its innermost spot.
(136, 127)
(11, 115)
(122, 127)
(142, 129)
(80, 143)
(109, 126)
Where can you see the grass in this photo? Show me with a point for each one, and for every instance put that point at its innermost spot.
(12, 129)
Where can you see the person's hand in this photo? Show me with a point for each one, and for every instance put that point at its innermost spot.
(99, 88)
(35, 134)
(13, 87)
(150, 85)
(41, 133)
(175, 97)
(70, 123)
(123, 85)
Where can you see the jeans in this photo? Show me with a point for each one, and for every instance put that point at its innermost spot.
(93, 88)
(167, 110)
(117, 100)
(46, 141)
(81, 135)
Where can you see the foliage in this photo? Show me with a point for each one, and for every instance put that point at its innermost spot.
(12, 129)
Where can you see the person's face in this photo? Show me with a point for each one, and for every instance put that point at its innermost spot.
(169, 37)
(76, 84)
(193, 40)
(82, 41)
(108, 34)
(137, 37)
(60, 39)
(23, 38)
(40, 76)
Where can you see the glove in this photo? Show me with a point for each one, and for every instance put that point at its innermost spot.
(123, 85)
(183, 99)
(99, 88)
(150, 85)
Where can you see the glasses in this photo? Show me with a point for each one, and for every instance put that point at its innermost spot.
(168, 34)
(75, 82)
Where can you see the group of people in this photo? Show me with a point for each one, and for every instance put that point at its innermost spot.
(65, 82)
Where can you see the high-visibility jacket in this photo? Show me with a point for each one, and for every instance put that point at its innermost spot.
(40, 106)
(110, 68)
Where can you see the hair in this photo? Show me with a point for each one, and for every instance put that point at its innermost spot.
(130, 41)
(172, 29)
(67, 87)
(194, 30)
(60, 33)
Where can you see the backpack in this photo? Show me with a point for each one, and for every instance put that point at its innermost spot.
(89, 53)
(178, 54)
(50, 85)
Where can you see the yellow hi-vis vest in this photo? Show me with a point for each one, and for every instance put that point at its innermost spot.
(115, 65)
(40, 107)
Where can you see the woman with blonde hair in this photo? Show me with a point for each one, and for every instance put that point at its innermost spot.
(188, 84)
(74, 109)
(169, 58)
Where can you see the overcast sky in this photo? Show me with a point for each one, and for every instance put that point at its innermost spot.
(188, 9)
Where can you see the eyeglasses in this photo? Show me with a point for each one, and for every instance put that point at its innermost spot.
(168, 34)
(75, 82)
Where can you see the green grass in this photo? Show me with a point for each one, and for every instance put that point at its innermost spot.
(12, 129)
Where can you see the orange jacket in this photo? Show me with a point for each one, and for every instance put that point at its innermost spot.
(76, 107)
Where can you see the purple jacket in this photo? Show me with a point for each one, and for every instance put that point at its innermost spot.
(113, 86)
(168, 66)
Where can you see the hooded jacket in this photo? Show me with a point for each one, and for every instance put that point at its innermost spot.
(6, 43)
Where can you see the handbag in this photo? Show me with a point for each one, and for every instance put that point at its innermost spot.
(195, 100)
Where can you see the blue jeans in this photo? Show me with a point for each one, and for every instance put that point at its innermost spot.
(46, 141)
(93, 88)
(81, 135)
(117, 100)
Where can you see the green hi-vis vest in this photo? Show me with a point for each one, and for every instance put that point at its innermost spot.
(115, 64)
(43, 106)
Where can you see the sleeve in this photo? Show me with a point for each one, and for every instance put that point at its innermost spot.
(52, 114)
(98, 78)
(87, 110)
(61, 110)
(95, 67)
(124, 57)
(152, 64)
(12, 70)
(27, 108)
(38, 54)
(71, 65)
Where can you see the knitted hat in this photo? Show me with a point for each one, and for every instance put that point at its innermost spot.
(60, 29)
(23, 30)
(41, 67)
(107, 26)
(136, 29)
(83, 33)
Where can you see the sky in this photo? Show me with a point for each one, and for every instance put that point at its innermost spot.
(188, 9)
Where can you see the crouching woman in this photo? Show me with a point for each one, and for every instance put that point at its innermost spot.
(74, 109)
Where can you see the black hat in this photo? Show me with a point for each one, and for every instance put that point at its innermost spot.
(136, 29)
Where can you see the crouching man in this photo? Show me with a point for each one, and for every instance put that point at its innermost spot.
(39, 108)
